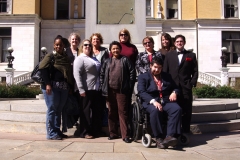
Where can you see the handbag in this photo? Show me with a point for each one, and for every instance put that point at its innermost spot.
(36, 74)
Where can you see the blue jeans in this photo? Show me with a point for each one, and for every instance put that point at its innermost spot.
(55, 103)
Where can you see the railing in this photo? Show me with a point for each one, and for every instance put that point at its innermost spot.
(22, 79)
(209, 79)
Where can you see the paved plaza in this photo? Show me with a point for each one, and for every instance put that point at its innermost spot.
(221, 145)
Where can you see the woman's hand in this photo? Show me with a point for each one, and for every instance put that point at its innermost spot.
(48, 89)
(83, 94)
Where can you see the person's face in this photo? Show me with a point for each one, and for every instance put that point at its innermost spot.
(95, 41)
(87, 47)
(74, 41)
(179, 43)
(115, 50)
(165, 42)
(156, 69)
(148, 45)
(58, 46)
(123, 37)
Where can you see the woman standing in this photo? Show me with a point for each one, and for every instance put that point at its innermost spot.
(128, 49)
(101, 53)
(145, 58)
(167, 44)
(72, 52)
(117, 77)
(56, 73)
(86, 74)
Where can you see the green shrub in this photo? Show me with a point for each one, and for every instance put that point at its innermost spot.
(216, 92)
(18, 91)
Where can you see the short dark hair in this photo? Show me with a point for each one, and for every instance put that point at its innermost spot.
(157, 60)
(58, 37)
(115, 43)
(180, 36)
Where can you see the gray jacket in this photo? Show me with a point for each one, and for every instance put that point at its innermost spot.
(86, 73)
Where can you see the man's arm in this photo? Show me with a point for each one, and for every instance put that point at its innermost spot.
(194, 71)
(142, 89)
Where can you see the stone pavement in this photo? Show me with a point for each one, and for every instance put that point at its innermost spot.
(221, 145)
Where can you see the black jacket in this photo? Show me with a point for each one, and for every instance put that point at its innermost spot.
(128, 76)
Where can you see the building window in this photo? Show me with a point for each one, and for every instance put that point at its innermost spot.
(62, 9)
(230, 8)
(3, 6)
(148, 8)
(172, 9)
(231, 40)
(5, 42)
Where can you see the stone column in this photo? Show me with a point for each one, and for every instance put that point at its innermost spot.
(224, 76)
(9, 76)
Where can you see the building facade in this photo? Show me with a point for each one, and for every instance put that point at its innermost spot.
(28, 25)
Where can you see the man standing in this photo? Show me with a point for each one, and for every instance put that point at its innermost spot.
(182, 66)
(158, 93)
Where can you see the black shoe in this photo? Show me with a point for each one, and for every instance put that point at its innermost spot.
(112, 137)
(63, 135)
(159, 142)
(57, 137)
(169, 141)
(127, 140)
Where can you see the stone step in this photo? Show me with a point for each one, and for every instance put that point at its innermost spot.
(220, 126)
(216, 116)
(214, 107)
(23, 116)
(37, 106)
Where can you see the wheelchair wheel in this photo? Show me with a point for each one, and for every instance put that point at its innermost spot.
(135, 126)
(146, 140)
(184, 139)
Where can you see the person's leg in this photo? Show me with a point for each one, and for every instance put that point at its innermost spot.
(185, 103)
(85, 115)
(113, 113)
(50, 116)
(59, 101)
(122, 103)
(156, 120)
(174, 113)
(97, 112)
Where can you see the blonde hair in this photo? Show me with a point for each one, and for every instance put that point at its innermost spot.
(125, 31)
(81, 47)
(74, 34)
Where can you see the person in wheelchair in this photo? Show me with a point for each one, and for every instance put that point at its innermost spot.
(158, 94)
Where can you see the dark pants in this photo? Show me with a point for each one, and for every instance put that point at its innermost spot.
(90, 113)
(118, 109)
(185, 102)
(174, 113)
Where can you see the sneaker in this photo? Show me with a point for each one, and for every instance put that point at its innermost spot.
(57, 137)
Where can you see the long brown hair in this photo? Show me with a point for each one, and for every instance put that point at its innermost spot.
(169, 38)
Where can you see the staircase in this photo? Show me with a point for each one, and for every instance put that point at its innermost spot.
(209, 115)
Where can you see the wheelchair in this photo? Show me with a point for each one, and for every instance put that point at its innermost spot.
(140, 126)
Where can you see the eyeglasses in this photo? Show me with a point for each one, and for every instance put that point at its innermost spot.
(147, 43)
(123, 35)
(87, 45)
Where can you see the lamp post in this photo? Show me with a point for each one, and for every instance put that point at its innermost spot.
(224, 57)
(10, 70)
(224, 70)
(44, 52)
(10, 58)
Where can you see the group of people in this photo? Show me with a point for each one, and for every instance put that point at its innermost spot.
(97, 76)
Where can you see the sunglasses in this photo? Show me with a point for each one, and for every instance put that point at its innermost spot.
(146, 43)
(123, 35)
(87, 45)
